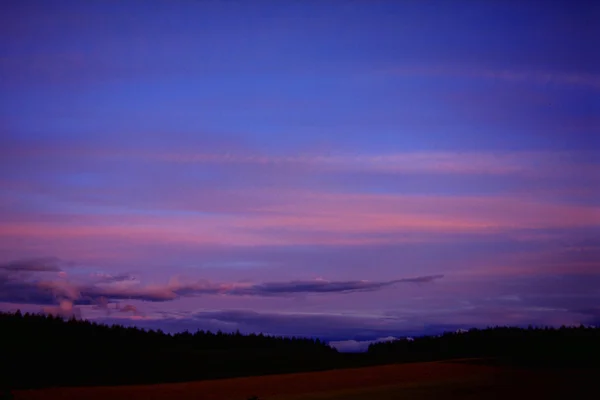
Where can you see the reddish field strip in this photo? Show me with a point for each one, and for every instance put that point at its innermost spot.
(263, 386)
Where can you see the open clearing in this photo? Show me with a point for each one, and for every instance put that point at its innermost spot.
(433, 380)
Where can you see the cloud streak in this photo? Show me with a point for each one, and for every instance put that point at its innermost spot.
(176, 290)
(101, 291)
(458, 308)
(428, 162)
(296, 217)
(498, 162)
(322, 286)
(32, 265)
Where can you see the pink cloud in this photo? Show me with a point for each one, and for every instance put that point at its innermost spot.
(299, 217)
(17, 288)
(382, 212)
(64, 309)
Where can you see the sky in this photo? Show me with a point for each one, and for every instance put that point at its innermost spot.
(350, 170)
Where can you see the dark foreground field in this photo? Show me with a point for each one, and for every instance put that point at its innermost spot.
(431, 380)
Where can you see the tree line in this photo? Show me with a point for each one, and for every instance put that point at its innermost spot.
(541, 346)
(39, 350)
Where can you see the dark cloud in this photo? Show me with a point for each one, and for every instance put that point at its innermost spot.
(128, 308)
(329, 326)
(507, 304)
(321, 286)
(103, 289)
(289, 323)
(32, 265)
(102, 303)
(419, 279)
(158, 294)
(173, 291)
(332, 326)
(107, 278)
(591, 315)
(325, 325)
(12, 291)
(18, 283)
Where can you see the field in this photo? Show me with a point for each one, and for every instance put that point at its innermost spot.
(433, 380)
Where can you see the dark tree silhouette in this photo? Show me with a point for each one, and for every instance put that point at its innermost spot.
(43, 350)
(577, 346)
(39, 350)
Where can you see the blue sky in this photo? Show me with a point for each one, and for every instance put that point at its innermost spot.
(202, 147)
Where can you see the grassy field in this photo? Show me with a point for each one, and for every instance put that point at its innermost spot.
(434, 380)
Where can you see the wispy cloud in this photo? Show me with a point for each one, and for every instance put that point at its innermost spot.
(524, 163)
(296, 217)
(32, 265)
(128, 308)
(109, 278)
(16, 289)
(437, 162)
(353, 330)
(326, 324)
(322, 286)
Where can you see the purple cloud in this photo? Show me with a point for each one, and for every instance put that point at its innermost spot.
(261, 147)
(322, 286)
(32, 265)
(16, 289)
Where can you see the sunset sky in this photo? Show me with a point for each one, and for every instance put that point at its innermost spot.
(351, 170)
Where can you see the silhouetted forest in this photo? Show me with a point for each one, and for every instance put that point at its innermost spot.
(41, 350)
(565, 346)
